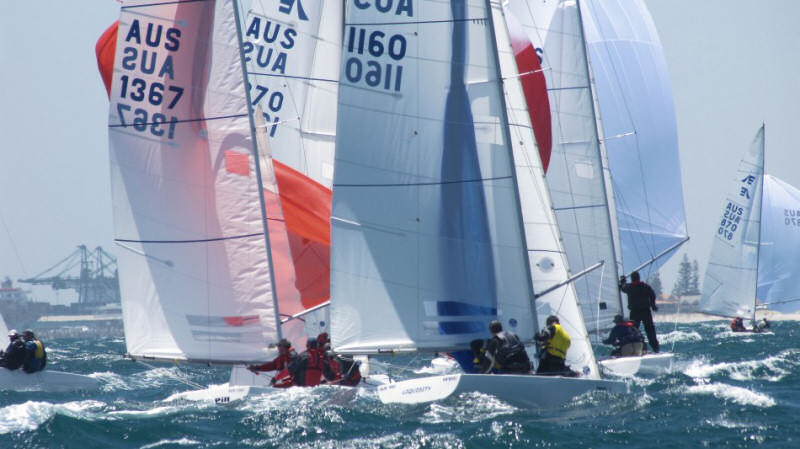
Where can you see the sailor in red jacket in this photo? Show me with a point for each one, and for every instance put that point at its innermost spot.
(286, 354)
(309, 367)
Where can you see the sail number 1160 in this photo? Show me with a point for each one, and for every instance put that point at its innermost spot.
(374, 73)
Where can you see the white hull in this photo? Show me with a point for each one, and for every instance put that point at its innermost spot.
(19, 380)
(523, 391)
(652, 364)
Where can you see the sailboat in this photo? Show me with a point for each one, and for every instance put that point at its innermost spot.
(198, 216)
(614, 173)
(45, 380)
(752, 261)
(441, 220)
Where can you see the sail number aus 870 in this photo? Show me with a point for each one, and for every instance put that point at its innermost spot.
(376, 44)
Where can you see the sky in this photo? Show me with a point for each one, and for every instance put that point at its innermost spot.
(733, 65)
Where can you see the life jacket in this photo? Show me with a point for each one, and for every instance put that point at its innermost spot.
(632, 334)
(511, 350)
(559, 344)
(349, 373)
(737, 325)
(308, 368)
(37, 356)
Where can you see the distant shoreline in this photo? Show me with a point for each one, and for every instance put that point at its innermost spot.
(700, 317)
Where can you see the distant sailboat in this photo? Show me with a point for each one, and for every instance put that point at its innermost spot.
(46, 380)
(618, 197)
(753, 259)
(441, 220)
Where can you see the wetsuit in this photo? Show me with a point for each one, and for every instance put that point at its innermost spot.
(507, 352)
(627, 340)
(15, 355)
(642, 298)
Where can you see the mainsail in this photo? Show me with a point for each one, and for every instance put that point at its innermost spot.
(547, 258)
(575, 176)
(729, 285)
(641, 138)
(778, 272)
(428, 245)
(195, 273)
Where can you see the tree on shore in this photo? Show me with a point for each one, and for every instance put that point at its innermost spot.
(683, 282)
(655, 282)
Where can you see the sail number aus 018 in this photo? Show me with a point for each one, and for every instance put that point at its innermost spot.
(372, 72)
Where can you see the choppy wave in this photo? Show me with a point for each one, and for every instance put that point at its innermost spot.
(772, 368)
(679, 336)
(30, 415)
(739, 395)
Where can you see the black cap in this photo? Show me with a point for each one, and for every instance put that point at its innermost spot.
(284, 342)
(311, 343)
(552, 319)
(618, 319)
(495, 327)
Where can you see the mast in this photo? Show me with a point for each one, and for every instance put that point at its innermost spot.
(257, 164)
(760, 215)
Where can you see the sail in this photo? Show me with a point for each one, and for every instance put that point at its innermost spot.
(3, 327)
(575, 176)
(778, 280)
(193, 259)
(546, 256)
(729, 285)
(427, 239)
(292, 54)
(638, 119)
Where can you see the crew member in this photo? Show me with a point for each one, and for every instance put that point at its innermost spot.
(641, 299)
(505, 352)
(37, 355)
(626, 339)
(737, 325)
(280, 364)
(15, 354)
(761, 326)
(308, 368)
(555, 343)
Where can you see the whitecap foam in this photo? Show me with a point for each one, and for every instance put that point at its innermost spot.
(679, 336)
(769, 369)
(31, 414)
(739, 395)
(467, 407)
(440, 365)
(180, 442)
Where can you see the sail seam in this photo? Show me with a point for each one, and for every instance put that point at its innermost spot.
(217, 239)
(466, 181)
(418, 22)
(204, 119)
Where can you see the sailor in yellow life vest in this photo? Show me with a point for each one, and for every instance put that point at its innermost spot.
(555, 342)
(37, 355)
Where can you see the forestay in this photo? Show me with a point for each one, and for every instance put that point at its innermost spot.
(194, 266)
(729, 285)
(638, 121)
(778, 279)
(575, 175)
(546, 256)
(428, 245)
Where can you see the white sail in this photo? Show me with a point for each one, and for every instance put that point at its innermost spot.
(292, 54)
(194, 268)
(575, 175)
(3, 327)
(729, 284)
(428, 245)
(546, 256)
(641, 139)
(778, 279)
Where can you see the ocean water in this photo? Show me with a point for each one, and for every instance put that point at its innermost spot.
(729, 390)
